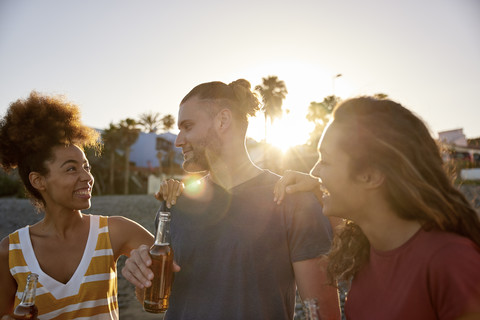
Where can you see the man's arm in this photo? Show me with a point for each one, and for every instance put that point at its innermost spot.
(311, 279)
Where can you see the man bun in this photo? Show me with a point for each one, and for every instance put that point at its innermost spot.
(248, 101)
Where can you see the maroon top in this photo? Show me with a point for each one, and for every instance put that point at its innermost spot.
(434, 275)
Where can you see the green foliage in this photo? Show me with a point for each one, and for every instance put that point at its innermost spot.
(474, 142)
(111, 137)
(319, 113)
(168, 122)
(380, 96)
(150, 121)
(273, 91)
(10, 185)
(119, 136)
(129, 132)
(470, 182)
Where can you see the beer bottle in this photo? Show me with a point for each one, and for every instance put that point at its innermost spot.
(156, 296)
(27, 308)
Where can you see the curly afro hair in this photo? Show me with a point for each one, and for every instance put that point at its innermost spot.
(32, 127)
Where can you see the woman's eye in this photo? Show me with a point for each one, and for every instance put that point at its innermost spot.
(87, 168)
(69, 169)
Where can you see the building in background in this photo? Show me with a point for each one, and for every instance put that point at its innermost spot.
(462, 152)
(156, 157)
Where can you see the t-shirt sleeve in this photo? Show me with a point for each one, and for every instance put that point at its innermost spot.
(454, 280)
(308, 230)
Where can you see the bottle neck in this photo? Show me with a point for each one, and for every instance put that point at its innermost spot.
(163, 230)
(29, 293)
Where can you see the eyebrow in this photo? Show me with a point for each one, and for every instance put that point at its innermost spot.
(72, 161)
(183, 123)
(69, 161)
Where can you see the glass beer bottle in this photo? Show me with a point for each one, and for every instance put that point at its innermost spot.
(27, 308)
(157, 295)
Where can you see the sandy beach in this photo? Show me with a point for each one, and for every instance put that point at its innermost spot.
(16, 213)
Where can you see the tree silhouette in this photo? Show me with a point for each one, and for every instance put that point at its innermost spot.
(273, 91)
(380, 96)
(319, 113)
(168, 122)
(150, 121)
(112, 139)
(129, 133)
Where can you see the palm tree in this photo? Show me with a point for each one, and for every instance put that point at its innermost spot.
(129, 134)
(168, 122)
(380, 96)
(150, 121)
(273, 91)
(112, 140)
(319, 113)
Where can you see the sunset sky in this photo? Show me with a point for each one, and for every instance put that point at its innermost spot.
(118, 59)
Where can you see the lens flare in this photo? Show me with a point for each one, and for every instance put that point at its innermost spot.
(194, 188)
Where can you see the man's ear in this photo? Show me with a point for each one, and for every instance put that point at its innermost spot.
(224, 119)
(372, 178)
(37, 180)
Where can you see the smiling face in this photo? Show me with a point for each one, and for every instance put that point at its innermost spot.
(345, 196)
(197, 137)
(68, 183)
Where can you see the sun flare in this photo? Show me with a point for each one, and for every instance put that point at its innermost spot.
(289, 131)
(305, 82)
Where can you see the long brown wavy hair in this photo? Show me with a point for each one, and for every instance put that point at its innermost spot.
(385, 135)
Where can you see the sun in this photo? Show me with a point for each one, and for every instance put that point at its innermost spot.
(306, 81)
(291, 130)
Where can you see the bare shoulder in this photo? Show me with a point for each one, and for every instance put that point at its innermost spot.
(122, 223)
(123, 228)
(126, 234)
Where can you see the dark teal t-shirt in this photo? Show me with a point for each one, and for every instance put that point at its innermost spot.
(236, 248)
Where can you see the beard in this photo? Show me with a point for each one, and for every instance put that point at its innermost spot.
(206, 151)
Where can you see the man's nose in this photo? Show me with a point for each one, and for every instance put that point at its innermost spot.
(179, 141)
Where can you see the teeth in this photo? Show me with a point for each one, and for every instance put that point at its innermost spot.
(324, 190)
(83, 192)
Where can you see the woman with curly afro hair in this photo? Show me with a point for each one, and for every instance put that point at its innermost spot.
(73, 253)
(411, 242)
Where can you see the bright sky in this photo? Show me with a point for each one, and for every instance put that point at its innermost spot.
(118, 58)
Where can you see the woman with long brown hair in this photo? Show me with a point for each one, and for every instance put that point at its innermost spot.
(411, 241)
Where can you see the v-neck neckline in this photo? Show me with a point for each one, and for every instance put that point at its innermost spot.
(239, 186)
(56, 288)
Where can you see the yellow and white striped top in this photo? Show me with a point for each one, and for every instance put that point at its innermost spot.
(91, 293)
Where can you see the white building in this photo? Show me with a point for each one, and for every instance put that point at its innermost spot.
(455, 137)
